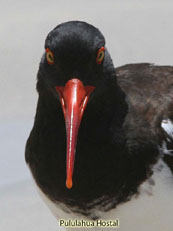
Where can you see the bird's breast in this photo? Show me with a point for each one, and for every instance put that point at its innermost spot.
(150, 209)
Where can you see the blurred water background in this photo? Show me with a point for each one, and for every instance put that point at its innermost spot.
(135, 31)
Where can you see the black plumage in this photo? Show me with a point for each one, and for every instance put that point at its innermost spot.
(120, 131)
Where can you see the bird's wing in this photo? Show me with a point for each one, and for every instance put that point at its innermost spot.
(149, 89)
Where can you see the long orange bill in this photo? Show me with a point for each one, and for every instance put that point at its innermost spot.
(74, 97)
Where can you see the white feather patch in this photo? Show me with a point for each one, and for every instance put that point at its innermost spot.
(167, 126)
(164, 150)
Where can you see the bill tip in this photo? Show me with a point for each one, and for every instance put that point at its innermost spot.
(69, 183)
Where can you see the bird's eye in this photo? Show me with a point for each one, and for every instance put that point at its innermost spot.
(100, 55)
(49, 56)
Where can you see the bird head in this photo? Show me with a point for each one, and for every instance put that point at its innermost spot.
(73, 67)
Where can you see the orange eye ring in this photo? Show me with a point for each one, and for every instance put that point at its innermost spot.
(49, 56)
(100, 55)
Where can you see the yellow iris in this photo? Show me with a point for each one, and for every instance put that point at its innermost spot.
(100, 55)
(49, 56)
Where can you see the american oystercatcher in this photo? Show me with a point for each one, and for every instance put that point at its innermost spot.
(102, 140)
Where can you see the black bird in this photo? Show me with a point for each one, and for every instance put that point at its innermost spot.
(102, 137)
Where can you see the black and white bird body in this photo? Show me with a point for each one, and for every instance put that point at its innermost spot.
(102, 137)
